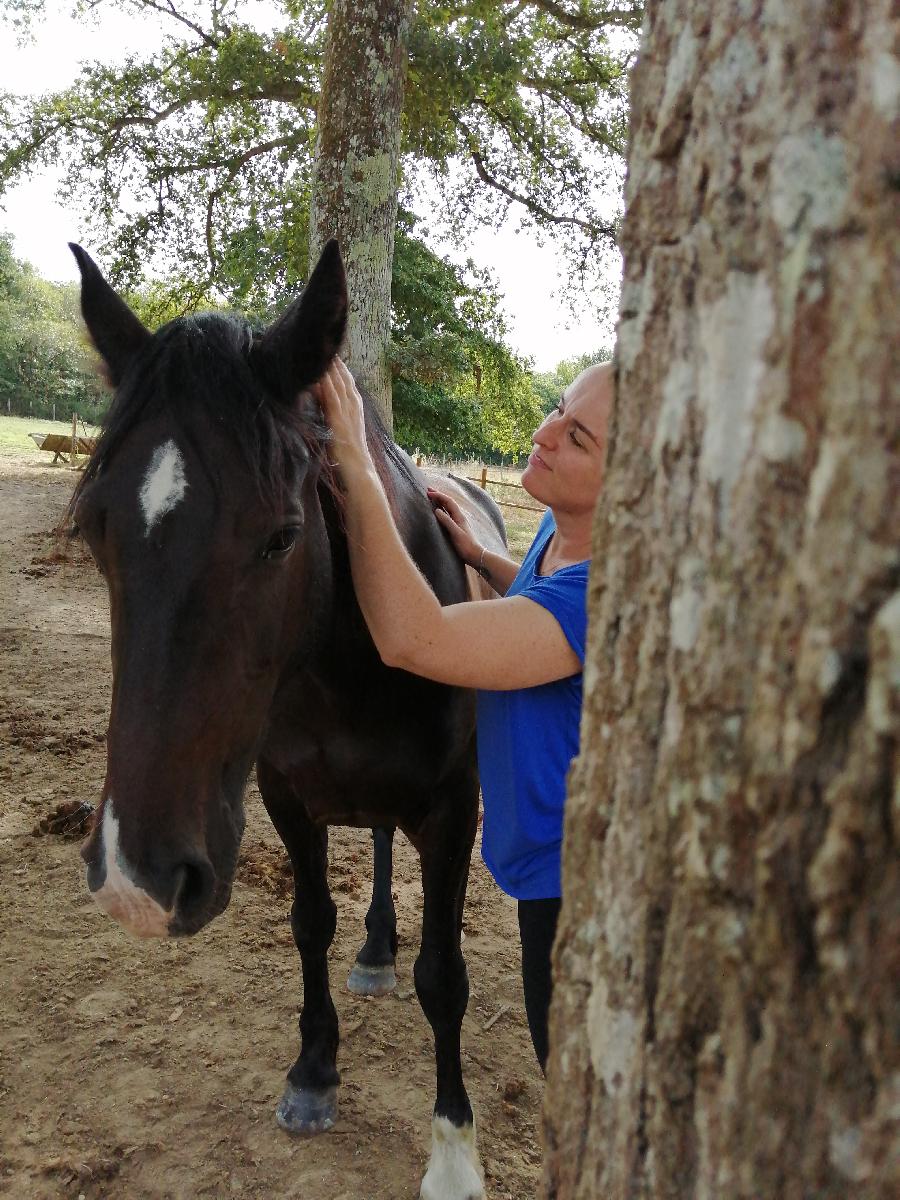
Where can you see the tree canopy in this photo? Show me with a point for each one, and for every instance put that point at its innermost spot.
(198, 153)
(193, 160)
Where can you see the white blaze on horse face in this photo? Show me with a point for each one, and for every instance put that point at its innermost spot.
(122, 899)
(164, 484)
(454, 1170)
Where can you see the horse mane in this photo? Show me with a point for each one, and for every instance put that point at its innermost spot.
(201, 364)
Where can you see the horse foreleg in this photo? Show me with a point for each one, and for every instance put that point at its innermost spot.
(309, 1102)
(442, 985)
(373, 973)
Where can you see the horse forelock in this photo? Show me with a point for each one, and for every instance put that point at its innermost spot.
(197, 371)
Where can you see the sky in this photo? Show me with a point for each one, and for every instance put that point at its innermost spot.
(540, 326)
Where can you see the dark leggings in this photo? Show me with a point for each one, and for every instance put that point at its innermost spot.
(537, 929)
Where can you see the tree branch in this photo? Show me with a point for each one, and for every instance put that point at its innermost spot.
(577, 117)
(168, 9)
(285, 93)
(628, 19)
(234, 163)
(235, 166)
(532, 205)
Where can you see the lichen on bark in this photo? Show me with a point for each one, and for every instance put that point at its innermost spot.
(724, 1020)
(354, 192)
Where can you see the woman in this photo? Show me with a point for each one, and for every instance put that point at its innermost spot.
(524, 653)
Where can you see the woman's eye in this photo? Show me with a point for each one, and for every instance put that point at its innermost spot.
(576, 441)
(281, 543)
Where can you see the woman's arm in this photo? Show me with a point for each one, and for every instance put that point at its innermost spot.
(509, 643)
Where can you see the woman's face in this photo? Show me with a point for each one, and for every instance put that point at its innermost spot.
(565, 468)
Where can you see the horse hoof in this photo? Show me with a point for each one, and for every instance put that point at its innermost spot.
(467, 1188)
(372, 981)
(305, 1112)
(454, 1169)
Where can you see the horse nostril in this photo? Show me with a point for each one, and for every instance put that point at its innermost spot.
(193, 889)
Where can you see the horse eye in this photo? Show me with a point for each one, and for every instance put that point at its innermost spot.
(281, 543)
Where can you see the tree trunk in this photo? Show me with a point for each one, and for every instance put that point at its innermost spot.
(354, 191)
(724, 1022)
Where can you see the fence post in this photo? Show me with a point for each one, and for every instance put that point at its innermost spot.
(483, 478)
(74, 438)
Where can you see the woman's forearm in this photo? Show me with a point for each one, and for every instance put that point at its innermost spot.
(497, 569)
(402, 612)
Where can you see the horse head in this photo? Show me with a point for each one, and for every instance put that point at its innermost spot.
(200, 506)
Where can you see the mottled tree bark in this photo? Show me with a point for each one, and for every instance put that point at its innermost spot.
(354, 192)
(725, 1018)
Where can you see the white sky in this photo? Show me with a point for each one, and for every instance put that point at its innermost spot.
(540, 326)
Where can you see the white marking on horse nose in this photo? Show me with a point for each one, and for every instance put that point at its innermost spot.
(120, 897)
(164, 484)
(454, 1169)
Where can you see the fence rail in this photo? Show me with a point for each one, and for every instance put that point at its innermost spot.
(511, 503)
(484, 479)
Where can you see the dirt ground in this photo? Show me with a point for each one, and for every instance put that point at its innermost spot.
(152, 1070)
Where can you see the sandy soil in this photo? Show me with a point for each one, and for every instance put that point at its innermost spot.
(130, 1069)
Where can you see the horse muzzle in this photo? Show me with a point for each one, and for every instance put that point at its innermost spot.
(176, 894)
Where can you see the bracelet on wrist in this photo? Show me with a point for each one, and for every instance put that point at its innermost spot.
(481, 568)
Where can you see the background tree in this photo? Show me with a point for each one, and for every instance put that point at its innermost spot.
(355, 177)
(194, 161)
(725, 1015)
(209, 138)
(45, 369)
(458, 389)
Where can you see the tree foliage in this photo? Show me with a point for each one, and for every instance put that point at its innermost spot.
(192, 163)
(197, 156)
(45, 366)
(457, 387)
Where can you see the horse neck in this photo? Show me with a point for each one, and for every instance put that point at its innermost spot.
(348, 621)
(396, 488)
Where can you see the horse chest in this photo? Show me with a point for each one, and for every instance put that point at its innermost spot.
(352, 756)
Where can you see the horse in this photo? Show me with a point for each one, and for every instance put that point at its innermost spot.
(211, 509)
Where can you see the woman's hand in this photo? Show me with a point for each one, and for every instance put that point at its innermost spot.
(342, 406)
(453, 519)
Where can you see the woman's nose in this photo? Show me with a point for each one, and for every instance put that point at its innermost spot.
(544, 433)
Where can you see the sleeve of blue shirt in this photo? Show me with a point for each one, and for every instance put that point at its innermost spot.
(564, 594)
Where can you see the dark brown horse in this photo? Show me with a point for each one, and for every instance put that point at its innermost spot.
(211, 510)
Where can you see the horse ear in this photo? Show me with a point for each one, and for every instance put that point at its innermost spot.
(296, 350)
(115, 331)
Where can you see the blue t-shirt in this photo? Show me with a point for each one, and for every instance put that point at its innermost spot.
(526, 741)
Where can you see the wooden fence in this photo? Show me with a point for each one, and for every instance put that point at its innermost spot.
(483, 480)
